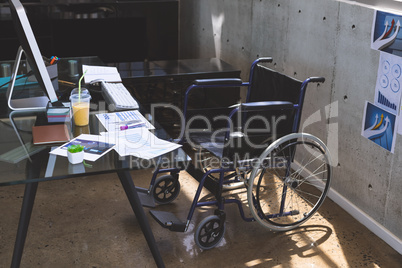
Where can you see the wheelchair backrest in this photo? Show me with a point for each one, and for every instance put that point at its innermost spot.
(269, 85)
(273, 110)
(261, 127)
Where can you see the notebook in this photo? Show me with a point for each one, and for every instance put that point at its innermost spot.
(48, 134)
(104, 73)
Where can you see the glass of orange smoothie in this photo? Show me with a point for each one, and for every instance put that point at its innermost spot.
(80, 105)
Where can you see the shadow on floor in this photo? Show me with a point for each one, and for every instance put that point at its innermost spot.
(88, 222)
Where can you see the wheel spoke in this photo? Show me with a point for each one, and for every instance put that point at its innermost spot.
(166, 189)
(160, 190)
(284, 197)
(209, 232)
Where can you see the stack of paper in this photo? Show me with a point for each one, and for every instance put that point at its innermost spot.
(139, 142)
(58, 113)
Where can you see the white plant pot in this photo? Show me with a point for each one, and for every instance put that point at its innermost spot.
(75, 158)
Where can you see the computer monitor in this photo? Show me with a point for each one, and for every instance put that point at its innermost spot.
(29, 47)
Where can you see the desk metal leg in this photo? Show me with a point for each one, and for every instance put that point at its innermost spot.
(32, 170)
(25, 216)
(131, 192)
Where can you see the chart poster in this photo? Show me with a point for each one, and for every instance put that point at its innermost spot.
(386, 35)
(379, 126)
(388, 87)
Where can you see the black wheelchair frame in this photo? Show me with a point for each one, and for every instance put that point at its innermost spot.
(286, 181)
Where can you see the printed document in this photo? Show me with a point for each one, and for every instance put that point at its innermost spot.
(114, 121)
(95, 146)
(139, 142)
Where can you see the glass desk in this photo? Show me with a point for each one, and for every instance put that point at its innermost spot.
(167, 81)
(174, 76)
(176, 69)
(24, 163)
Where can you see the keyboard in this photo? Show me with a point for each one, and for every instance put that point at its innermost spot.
(117, 94)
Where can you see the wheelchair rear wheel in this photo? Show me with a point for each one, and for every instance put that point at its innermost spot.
(290, 182)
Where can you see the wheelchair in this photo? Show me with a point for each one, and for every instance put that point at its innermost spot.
(254, 146)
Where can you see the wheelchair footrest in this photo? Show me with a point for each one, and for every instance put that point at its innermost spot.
(168, 220)
(146, 198)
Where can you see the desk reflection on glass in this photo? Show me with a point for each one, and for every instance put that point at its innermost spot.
(81, 130)
(19, 125)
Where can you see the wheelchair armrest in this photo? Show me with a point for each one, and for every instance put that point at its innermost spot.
(218, 81)
(266, 105)
(211, 83)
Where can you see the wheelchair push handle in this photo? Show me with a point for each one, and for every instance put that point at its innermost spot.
(264, 59)
(317, 79)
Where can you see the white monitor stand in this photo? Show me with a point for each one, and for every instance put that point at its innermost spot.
(31, 103)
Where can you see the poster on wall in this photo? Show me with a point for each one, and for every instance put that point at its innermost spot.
(399, 122)
(386, 35)
(388, 86)
(379, 126)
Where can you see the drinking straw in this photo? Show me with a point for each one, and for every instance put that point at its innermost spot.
(79, 85)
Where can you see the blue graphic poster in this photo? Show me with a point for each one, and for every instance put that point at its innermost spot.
(379, 126)
(386, 35)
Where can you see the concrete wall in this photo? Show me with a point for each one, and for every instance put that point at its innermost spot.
(312, 38)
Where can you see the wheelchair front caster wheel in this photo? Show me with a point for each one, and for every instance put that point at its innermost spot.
(209, 232)
(166, 189)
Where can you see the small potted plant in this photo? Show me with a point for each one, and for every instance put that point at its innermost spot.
(75, 153)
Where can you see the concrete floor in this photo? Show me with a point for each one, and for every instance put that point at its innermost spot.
(88, 222)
